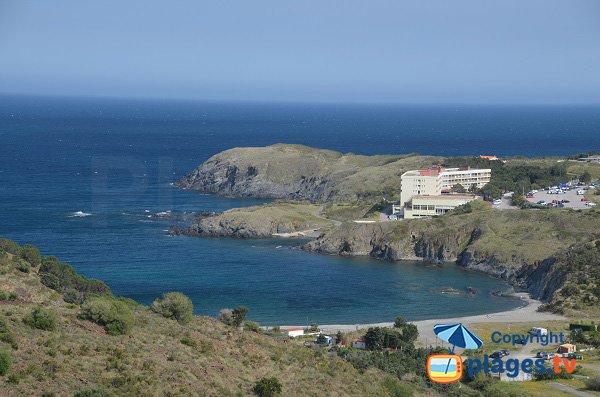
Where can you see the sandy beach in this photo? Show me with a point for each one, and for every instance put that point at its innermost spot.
(527, 313)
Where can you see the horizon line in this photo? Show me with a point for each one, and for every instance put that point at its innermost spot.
(294, 102)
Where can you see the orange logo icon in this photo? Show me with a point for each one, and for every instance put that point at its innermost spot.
(444, 368)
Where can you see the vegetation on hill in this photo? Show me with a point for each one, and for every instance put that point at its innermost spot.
(109, 346)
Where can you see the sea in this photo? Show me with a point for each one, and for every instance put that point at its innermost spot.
(84, 179)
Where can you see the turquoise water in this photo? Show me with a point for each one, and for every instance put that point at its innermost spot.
(116, 159)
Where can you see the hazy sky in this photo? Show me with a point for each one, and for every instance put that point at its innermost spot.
(459, 51)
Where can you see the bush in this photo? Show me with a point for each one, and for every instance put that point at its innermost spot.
(92, 393)
(189, 341)
(174, 305)
(8, 296)
(6, 335)
(114, 315)
(396, 389)
(40, 318)
(22, 266)
(234, 317)
(267, 387)
(50, 281)
(593, 383)
(5, 362)
(252, 326)
(239, 315)
(226, 316)
(10, 246)
(31, 254)
(73, 296)
(61, 276)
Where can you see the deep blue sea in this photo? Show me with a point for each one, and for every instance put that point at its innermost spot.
(115, 159)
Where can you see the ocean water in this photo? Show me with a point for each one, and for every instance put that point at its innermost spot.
(81, 179)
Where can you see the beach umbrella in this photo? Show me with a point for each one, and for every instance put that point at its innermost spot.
(457, 335)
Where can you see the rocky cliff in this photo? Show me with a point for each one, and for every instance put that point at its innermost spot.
(520, 247)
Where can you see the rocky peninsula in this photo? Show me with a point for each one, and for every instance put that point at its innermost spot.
(321, 193)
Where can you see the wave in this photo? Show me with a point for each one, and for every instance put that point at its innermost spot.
(79, 214)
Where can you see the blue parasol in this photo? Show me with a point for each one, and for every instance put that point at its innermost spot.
(457, 335)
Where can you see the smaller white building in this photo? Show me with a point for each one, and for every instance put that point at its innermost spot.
(294, 332)
(359, 344)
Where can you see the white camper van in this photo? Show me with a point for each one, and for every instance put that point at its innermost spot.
(538, 331)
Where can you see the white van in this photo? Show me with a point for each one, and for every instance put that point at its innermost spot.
(580, 192)
(538, 331)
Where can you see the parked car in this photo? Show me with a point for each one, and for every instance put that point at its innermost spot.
(540, 354)
(575, 356)
(505, 352)
(496, 355)
(541, 202)
(565, 201)
(590, 204)
(580, 192)
(393, 217)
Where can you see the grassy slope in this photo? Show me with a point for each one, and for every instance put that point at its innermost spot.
(352, 178)
(152, 361)
(279, 217)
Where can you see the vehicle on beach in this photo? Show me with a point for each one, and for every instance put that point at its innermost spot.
(541, 354)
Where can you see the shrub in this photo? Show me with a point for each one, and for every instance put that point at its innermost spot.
(226, 316)
(22, 266)
(252, 326)
(267, 387)
(593, 383)
(61, 276)
(50, 281)
(234, 317)
(73, 296)
(92, 393)
(40, 318)
(239, 315)
(396, 389)
(8, 296)
(5, 362)
(114, 315)
(189, 341)
(31, 254)
(174, 305)
(10, 246)
(6, 335)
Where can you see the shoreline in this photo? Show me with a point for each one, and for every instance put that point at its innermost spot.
(526, 313)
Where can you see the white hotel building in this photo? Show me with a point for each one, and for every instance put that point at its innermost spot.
(435, 181)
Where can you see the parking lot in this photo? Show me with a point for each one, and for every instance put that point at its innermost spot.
(573, 200)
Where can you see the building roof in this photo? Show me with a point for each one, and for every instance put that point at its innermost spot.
(488, 157)
(445, 196)
(294, 329)
(567, 345)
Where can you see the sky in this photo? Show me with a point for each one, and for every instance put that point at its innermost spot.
(396, 51)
